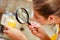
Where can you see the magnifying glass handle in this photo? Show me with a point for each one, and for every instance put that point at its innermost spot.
(29, 23)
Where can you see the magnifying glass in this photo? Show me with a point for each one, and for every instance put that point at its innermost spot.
(22, 16)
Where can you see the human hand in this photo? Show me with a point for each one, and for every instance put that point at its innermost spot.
(38, 31)
(14, 34)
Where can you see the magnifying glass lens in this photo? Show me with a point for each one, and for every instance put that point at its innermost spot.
(22, 16)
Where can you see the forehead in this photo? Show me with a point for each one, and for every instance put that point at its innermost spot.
(38, 15)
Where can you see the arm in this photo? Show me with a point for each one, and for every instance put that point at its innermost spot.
(14, 34)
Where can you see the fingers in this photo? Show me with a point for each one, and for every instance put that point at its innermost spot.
(6, 32)
(36, 33)
(33, 30)
(35, 27)
(30, 27)
(6, 27)
(34, 24)
(3, 27)
(36, 30)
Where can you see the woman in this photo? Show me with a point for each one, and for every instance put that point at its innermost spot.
(46, 12)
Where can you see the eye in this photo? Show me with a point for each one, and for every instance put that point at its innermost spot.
(36, 16)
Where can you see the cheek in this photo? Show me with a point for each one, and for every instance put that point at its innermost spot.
(58, 21)
(40, 20)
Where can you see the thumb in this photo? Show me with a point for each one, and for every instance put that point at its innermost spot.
(6, 27)
(6, 32)
(35, 24)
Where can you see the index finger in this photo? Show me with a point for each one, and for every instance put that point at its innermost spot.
(6, 27)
